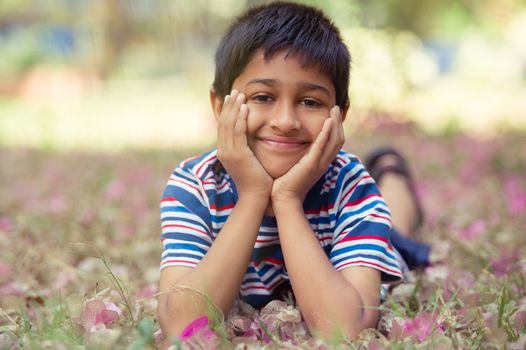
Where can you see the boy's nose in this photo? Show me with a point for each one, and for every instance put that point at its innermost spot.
(285, 120)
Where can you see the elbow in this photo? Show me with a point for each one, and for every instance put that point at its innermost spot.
(342, 327)
(169, 316)
(366, 319)
(176, 311)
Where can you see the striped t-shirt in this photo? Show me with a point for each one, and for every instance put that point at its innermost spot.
(344, 208)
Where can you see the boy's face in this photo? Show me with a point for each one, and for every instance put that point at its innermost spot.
(287, 107)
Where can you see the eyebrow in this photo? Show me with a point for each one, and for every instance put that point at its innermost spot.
(303, 85)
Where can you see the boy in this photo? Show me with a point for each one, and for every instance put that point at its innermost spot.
(278, 204)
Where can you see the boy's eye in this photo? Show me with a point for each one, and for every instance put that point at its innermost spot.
(309, 102)
(262, 98)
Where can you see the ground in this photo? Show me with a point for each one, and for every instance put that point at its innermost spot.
(80, 250)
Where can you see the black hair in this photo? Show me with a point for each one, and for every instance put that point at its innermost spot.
(301, 30)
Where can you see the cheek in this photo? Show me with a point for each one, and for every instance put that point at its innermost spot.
(254, 121)
(313, 126)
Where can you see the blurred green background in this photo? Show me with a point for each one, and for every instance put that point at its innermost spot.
(114, 74)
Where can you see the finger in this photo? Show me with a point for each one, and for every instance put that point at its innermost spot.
(220, 131)
(337, 134)
(232, 119)
(231, 114)
(334, 142)
(341, 133)
(225, 110)
(316, 150)
(227, 125)
(236, 108)
(232, 109)
(240, 129)
(227, 106)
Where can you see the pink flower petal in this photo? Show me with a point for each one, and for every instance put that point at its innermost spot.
(520, 320)
(89, 315)
(115, 190)
(504, 262)
(148, 291)
(6, 225)
(5, 271)
(241, 323)
(62, 279)
(421, 326)
(158, 336)
(57, 204)
(197, 326)
(515, 195)
(106, 317)
(397, 328)
(474, 230)
(112, 307)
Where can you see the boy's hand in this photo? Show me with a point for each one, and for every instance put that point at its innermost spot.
(295, 184)
(232, 149)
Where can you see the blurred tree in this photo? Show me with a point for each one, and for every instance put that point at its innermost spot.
(418, 16)
(107, 30)
(118, 31)
(438, 18)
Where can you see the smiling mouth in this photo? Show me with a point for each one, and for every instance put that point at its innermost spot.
(282, 143)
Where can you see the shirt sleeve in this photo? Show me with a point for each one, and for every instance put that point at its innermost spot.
(363, 225)
(185, 220)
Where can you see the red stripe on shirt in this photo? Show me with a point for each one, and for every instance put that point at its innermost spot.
(186, 161)
(381, 217)
(394, 272)
(213, 183)
(224, 207)
(186, 184)
(324, 209)
(274, 239)
(222, 186)
(270, 261)
(205, 162)
(361, 200)
(184, 226)
(244, 289)
(359, 238)
(179, 261)
(272, 286)
(274, 261)
(356, 184)
(342, 160)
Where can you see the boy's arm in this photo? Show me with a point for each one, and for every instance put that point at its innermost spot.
(218, 276)
(330, 301)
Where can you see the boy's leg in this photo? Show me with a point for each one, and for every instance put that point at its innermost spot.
(399, 197)
(391, 173)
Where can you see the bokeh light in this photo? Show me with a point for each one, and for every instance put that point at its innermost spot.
(108, 75)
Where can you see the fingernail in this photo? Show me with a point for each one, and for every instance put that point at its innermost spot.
(240, 96)
(227, 97)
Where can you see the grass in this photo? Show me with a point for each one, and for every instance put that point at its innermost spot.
(77, 229)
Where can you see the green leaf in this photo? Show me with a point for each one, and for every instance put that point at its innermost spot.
(146, 328)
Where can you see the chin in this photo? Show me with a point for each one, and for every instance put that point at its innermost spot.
(277, 170)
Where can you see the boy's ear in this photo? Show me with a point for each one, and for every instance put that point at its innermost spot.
(216, 102)
(344, 111)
